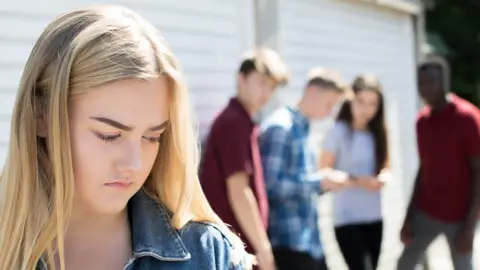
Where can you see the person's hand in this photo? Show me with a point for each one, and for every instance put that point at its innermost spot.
(369, 183)
(464, 241)
(406, 234)
(329, 185)
(384, 176)
(265, 259)
(334, 180)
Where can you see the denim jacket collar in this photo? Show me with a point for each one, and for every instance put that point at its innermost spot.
(152, 232)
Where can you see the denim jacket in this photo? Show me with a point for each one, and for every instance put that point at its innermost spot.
(157, 245)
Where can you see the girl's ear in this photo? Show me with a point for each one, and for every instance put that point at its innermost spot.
(40, 117)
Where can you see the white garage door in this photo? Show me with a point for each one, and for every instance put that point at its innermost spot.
(207, 39)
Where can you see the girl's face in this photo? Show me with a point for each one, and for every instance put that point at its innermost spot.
(364, 106)
(115, 131)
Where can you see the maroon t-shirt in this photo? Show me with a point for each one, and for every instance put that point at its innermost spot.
(447, 140)
(232, 147)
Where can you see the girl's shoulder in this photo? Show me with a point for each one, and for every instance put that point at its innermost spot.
(196, 245)
(339, 129)
(214, 246)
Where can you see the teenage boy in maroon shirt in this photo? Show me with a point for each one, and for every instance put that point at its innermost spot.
(446, 195)
(231, 172)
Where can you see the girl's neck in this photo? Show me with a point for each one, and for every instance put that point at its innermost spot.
(97, 239)
(84, 223)
(359, 126)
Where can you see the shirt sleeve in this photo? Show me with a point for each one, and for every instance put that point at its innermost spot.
(233, 148)
(334, 138)
(275, 147)
(471, 134)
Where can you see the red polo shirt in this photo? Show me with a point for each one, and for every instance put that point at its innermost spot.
(232, 147)
(447, 139)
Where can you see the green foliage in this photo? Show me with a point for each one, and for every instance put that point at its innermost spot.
(457, 24)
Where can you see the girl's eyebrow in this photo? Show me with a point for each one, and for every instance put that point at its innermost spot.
(121, 126)
(160, 127)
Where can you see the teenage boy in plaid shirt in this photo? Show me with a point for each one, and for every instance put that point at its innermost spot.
(291, 176)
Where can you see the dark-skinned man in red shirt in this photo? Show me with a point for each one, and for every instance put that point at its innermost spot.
(445, 200)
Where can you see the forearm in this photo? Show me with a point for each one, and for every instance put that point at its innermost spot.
(289, 187)
(327, 170)
(472, 216)
(346, 179)
(245, 209)
(414, 196)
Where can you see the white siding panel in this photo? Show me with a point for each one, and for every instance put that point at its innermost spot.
(9, 77)
(7, 99)
(207, 39)
(27, 27)
(192, 31)
(4, 131)
(14, 54)
(3, 152)
(55, 7)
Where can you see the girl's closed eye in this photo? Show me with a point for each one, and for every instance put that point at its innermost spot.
(113, 137)
(107, 138)
(153, 139)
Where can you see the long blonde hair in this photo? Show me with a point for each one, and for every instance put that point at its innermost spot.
(79, 50)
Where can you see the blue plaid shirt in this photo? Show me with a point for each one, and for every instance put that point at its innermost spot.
(292, 180)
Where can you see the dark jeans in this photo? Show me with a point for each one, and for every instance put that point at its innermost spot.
(287, 259)
(360, 244)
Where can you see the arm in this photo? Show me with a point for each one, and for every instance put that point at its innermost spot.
(234, 153)
(327, 161)
(418, 178)
(245, 208)
(365, 182)
(472, 217)
(376, 182)
(472, 146)
(276, 148)
(342, 179)
(414, 196)
(331, 147)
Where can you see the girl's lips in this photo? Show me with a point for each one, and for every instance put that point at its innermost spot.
(119, 184)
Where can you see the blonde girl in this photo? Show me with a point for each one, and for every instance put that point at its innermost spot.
(101, 167)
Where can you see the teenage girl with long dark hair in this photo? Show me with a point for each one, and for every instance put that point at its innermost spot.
(358, 146)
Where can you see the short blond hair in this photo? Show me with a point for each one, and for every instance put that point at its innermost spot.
(326, 79)
(265, 61)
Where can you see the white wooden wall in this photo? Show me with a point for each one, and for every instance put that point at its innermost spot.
(207, 37)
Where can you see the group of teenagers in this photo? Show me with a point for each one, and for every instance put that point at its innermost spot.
(265, 181)
(103, 168)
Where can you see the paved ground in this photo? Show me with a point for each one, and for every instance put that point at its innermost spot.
(439, 254)
(393, 207)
